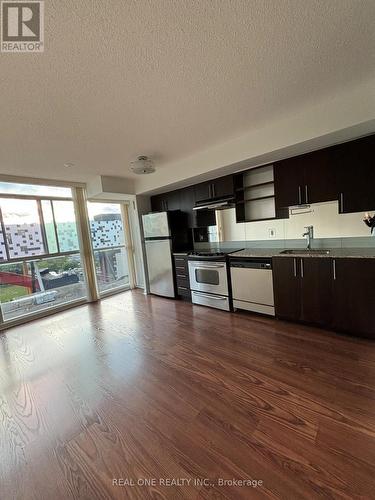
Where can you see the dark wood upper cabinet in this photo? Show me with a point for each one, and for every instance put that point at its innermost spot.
(173, 199)
(289, 182)
(345, 172)
(166, 201)
(223, 186)
(187, 201)
(356, 175)
(287, 287)
(202, 191)
(353, 296)
(305, 179)
(158, 203)
(320, 177)
(218, 188)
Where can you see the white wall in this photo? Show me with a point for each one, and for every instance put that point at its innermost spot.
(327, 222)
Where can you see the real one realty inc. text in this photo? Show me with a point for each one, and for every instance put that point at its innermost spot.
(169, 482)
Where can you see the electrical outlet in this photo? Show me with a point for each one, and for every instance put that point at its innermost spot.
(272, 233)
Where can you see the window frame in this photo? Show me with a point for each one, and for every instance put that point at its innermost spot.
(127, 245)
(38, 200)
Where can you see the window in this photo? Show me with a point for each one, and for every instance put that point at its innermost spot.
(108, 242)
(49, 225)
(40, 263)
(66, 228)
(23, 230)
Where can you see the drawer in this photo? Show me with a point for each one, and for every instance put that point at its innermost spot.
(181, 271)
(181, 266)
(183, 291)
(179, 260)
(183, 281)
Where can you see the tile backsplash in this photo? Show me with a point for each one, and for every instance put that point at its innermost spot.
(327, 222)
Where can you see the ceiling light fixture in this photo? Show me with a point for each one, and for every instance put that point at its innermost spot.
(142, 165)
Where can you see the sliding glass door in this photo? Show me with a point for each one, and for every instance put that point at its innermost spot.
(110, 246)
(40, 262)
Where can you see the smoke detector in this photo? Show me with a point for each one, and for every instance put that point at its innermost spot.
(142, 165)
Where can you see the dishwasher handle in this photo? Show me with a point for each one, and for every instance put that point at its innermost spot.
(252, 264)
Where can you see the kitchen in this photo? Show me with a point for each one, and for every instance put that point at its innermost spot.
(288, 239)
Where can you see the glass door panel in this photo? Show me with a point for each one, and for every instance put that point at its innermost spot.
(109, 246)
(40, 263)
(31, 286)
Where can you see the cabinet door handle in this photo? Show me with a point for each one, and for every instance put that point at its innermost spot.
(299, 195)
(210, 190)
(307, 194)
(302, 273)
(295, 267)
(213, 190)
(341, 208)
(334, 268)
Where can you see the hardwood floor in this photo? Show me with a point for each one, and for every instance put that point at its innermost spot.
(147, 389)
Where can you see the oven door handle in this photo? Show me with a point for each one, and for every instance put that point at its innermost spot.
(206, 266)
(208, 296)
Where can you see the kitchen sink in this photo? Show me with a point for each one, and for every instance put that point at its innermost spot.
(306, 251)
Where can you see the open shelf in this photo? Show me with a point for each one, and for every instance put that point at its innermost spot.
(255, 195)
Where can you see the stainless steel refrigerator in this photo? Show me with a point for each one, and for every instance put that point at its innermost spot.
(164, 233)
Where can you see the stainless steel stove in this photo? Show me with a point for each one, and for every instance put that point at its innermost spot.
(209, 278)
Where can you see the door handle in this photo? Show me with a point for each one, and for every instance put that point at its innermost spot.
(208, 267)
(299, 195)
(306, 194)
(302, 272)
(206, 296)
(213, 190)
(295, 267)
(341, 208)
(334, 269)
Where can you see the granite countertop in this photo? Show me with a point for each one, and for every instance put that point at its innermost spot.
(335, 253)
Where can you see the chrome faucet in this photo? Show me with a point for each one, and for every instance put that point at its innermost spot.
(310, 235)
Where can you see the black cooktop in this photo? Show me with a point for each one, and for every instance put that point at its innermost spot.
(213, 252)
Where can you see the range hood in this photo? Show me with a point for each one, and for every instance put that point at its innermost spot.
(216, 204)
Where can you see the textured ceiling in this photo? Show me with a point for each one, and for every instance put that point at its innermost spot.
(170, 77)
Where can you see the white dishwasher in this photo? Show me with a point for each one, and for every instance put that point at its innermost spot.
(252, 286)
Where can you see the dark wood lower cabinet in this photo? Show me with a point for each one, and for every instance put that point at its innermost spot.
(332, 293)
(316, 290)
(287, 287)
(181, 270)
(354, 296)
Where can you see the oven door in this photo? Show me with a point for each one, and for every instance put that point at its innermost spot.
(209, 277)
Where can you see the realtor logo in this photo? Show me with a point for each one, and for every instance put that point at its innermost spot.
(22, 26)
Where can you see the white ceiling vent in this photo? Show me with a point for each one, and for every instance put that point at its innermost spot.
(142, 165)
